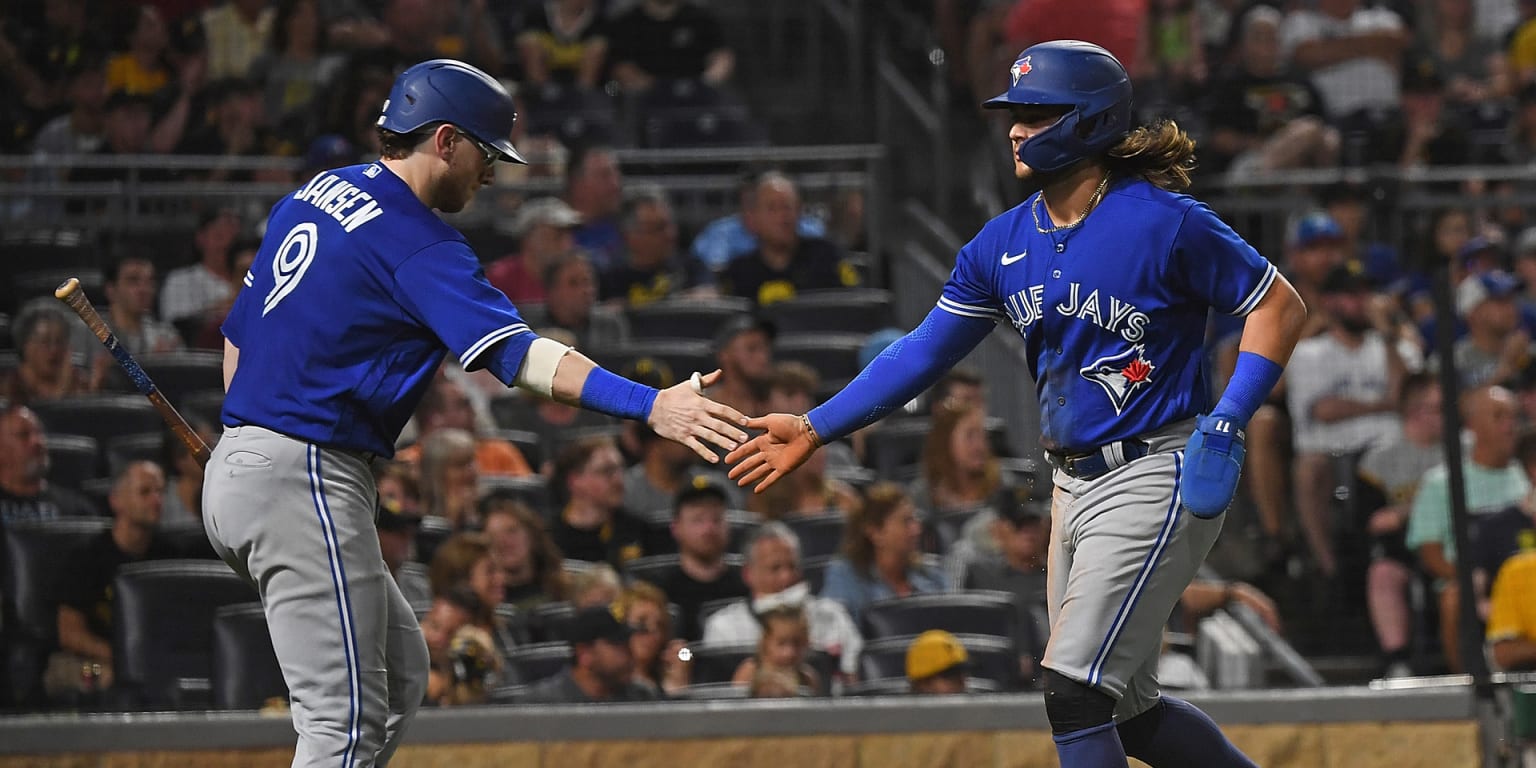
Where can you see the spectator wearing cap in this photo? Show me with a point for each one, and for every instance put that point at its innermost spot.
(1428, 134)
(594, 187)
(652, 268)
(1352, 53)
(602, 667)
(593, 525)
(744, 353)
(937, 663)
(1350, 206)
(194, 290)
(399, 516)
(702, 535)
(774, 579)
(727, 238)
(1020, 527)
(1495, 347)
(544, 227)
(1263, 117)
(880, 556)
(570, 285)
(784, 263)
(665, 466)
(1342, 408)
(1316, 247)
(25, 493)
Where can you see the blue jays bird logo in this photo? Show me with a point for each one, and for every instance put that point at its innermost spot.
(1121, 375)
(1019, 69)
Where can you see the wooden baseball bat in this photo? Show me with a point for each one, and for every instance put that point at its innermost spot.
(70, 293)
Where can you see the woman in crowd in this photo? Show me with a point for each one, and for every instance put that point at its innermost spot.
(655, 650)
(464, 560)
(531, 566)
(880, 554)
(449, 480)
(959, 471)
(46, 371)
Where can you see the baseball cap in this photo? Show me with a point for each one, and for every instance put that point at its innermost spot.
(597, 623)
(1020, 504)
(876, 343)
(1349, 277)
(1479, 246)
(393, 517)
(1315, 227)
(701, 486)
(742, 324)
(1477, 289)
(650, 371)
(544, 210)
(935, 652)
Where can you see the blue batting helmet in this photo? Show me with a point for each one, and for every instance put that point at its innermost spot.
(1083, 77)
(448, 91)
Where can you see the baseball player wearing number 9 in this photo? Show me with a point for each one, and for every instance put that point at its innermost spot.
(1108, 274)
(356, 295)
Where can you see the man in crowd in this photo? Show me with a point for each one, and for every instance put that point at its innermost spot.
(593, 525)
(702, 535)
(744, 353)
(602, 667)
(665, 467)
(784, 263)
(937, 663)
(594, 187)
(25, 493)
(1494, 482)
(197, 288)
(570, 285)
(545, 227)
(130, 291)
(669, 40)
(652, 268)
(774, 579)
(1021, 531)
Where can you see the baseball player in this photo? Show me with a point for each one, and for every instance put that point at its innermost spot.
(356, 295)
(1108, 274)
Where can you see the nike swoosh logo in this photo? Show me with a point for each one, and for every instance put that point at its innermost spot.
(1007, 260)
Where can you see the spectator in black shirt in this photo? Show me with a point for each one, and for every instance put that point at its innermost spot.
(25, 493)
(1264, 118)
(602, 667)
(85, 614)
(652, 268)
(563, 41)
(784, 263)
(1021, 531)
(702, 575)
(235, 129)
(593, 525)
(669, 40)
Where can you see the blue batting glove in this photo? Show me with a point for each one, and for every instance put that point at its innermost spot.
(1212, 462)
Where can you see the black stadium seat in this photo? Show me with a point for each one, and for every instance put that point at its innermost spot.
(820, 535)
(527, 443)
(34, 557)
(682, 356)
(896, 443)
(179, 374)
(685, 318)
(126, 449)
(162, 627)
(814, 571)
(532, 490)
(717, 662)
(532, 663)
(963, 613)
(102, 417)
(991, 658)
(245, 669)
(858, 310)
(430, 534)
(72, 460)
(835, 357)
(550, 622)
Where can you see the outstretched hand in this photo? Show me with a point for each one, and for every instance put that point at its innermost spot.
(784, 445)
(683, 414)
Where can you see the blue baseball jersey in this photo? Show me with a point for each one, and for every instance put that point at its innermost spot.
(1113, 312)
(356, 295)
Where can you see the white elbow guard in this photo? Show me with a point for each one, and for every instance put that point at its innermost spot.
(537, 373)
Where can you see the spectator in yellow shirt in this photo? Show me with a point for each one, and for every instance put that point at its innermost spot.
(1512, 614)
(142, 70)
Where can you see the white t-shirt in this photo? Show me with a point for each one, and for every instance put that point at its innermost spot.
(191, 290)
(1323, 367)
(832, 629)
(1353, 84)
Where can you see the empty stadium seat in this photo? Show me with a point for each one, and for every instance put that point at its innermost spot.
(102, 417)
(431, 533)
(550, 622)
(859, 311)
(526, 442)
(683, 356)
(126, 449)
(245, 669)
(72, 460)
(31, 575)
(717, 662)
(162, 627)
(834, 357)
(820, 535)
(963, 613)
(991, 658)
(532, 490)
(575, 116)
(179, 374)
(685, 318)
(896, 443)
(538, 661)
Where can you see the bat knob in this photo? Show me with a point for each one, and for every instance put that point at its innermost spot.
(67, 288)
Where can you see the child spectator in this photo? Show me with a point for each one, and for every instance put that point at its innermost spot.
(937, 664)
(782, 649)
(596, 586)
(659, 665)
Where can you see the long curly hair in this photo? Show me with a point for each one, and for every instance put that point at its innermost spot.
(1162, 153)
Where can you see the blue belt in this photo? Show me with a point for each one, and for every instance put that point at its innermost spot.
(1107, 457)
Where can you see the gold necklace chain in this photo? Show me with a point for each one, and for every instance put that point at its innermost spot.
(1093, 200)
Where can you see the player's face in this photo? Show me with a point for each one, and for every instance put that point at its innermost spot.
(1029, 120)
(470, 167)
(773, 568)
(700, 529)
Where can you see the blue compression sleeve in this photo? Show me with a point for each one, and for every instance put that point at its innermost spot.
(1252, 379)
(610, 393)
(907, 367)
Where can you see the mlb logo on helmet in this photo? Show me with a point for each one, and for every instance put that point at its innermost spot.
(1019, 69)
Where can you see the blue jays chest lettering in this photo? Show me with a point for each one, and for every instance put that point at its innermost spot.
(1102, 332)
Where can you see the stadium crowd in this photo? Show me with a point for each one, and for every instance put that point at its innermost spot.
(557, 556)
